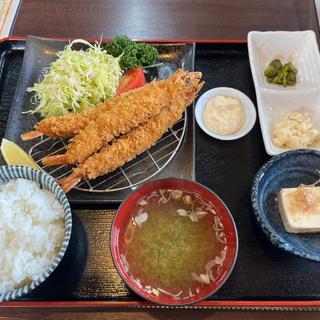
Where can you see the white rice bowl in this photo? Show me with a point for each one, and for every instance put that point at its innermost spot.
(35, 228)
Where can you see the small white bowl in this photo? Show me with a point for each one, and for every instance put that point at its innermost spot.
(249, 109)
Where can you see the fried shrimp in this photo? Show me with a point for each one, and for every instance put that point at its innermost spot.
(66, 126)
(139, 139)
(71, 124)
(135, 108)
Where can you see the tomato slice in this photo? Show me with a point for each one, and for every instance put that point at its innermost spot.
(132, 79)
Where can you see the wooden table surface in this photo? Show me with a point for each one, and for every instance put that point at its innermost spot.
(162, 19)
(159, 19)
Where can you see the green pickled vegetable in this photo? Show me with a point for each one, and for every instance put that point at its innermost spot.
(273, 68)
(76, 81)
(132, 54)
(277, 73)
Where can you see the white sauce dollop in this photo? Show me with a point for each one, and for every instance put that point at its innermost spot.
(223, 115)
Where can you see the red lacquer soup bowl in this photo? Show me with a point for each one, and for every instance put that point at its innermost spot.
(226, 232)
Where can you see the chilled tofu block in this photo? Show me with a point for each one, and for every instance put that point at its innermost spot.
(300, 209)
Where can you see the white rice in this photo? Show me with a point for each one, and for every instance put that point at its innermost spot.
(31, 232)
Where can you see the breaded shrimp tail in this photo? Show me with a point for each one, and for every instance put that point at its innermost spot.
(139, 139)
(128, 111)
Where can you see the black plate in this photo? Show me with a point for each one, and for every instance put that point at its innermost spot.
(262, 271)
(40, 52)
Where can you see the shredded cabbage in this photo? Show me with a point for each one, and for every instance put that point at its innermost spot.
(76, 81)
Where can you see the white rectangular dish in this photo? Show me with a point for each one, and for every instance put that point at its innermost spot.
(299, 47)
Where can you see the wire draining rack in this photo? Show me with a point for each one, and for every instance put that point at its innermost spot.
(136, 171)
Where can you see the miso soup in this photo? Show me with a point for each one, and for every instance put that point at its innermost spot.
(174, 244)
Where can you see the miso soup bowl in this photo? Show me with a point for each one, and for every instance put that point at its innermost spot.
(122, 219)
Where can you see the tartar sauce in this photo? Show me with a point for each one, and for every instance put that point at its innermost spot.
(223, 115)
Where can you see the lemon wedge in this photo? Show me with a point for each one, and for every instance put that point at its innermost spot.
(14, 155)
